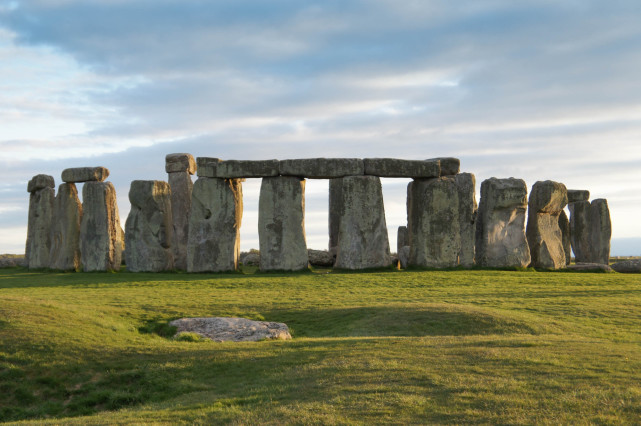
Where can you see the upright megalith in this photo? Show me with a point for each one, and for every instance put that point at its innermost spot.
(281, 224)
(149, 227)
(180, 167)
(466, 184)
(362, 237)
(435, 228)
(500, 224)
(580, 229)
(402, 238)
(41, 200)
(564, 225)
(100, 232)
(601, 231)
(65, 229)
(547, 200)
(335, 212)
(214, 225)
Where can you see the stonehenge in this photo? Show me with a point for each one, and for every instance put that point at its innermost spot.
(149, 227)
(195, 227)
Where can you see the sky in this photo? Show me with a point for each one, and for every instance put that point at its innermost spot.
(533, 89)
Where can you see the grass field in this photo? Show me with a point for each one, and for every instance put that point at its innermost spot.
(388, 347)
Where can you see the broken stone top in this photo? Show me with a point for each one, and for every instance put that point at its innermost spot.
(548, 197)
(40, 182)
(85, 174)
(506, 193)
(144, 192)
(575, 195)
(180, 162)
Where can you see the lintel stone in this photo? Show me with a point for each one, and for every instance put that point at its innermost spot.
(322, 168)
(233, 169)
(449, 165)
(85, 174)
(394, 167)
(575, 195)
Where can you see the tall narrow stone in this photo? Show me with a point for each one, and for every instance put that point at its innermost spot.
(402, 238)
(362, 237)
(580, 238)
(564, 225)
(180, 167)
(547, 200)
(466, 183)
(41, 200)
(335, 212)
(500, 230)
(100, 232)
(601, 231)
(214, 225)
(65, 230)
(149, 227)
(435, 231)
(281, 224)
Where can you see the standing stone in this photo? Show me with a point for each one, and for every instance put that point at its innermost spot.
(580, 238)
(335, 212)
(149, 227)
(281, 224)
(214, 225)
(402, 238)
(435, 232)
(362, 237)
(100, 231)
(564, 225)
(466, 184)
(601, 231)
(180, 167)
(41, 202)
(65, 230)
(547, 200)
(408, 209)
(500, 231)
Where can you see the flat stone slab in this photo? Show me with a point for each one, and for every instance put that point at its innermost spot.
(320, 258)
(224, 329)
(180, 162)
(393, 167)
(206, 166)
(575, 195)
(85, 174)
(449, 165)
(595, 267)
(233, 169)
(632, 266)
(40, 182)
(322, 168)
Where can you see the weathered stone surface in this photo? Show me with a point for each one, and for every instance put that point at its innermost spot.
(500, 231)
(100, 231)
(335, 212)
(632, 266)
(180, 163)
(402, 238)
(580, 230)
(281, 224)
(11, 261)
(251, 258)
(404, 256)
(362, 236)
(181, 188)
(85, 174)
(466, 184)
(214, 225)
(207, 166)
(65, 229)
(600, 230)
(547, 200)
(38, 245)
(320, 258)
(435, 232)
(408, 209)
(393, 167)
(449, 165)
(564, 226)
(575, 195)
(222, 329)
(589, 267)
(40, 182)
(229, 169)
(322, 168)
(149, 227)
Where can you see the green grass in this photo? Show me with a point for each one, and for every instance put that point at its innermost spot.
(381, 347)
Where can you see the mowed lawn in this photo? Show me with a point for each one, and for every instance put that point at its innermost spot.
(386, 347)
